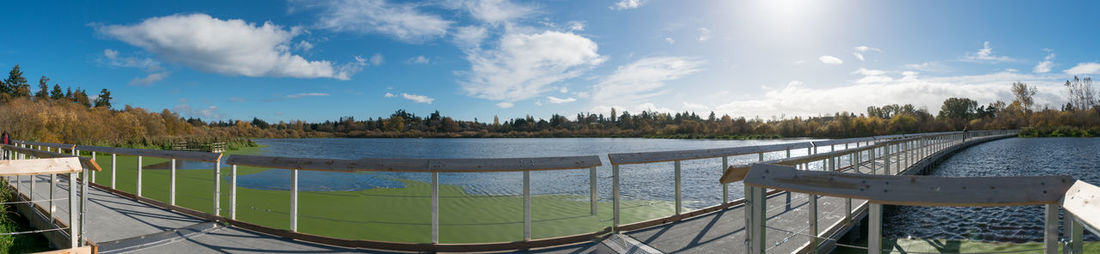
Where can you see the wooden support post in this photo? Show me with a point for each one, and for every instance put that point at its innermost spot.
(615, 197)
(679, 194)
(435, 207)
(294, 200)
(527, 205)
(172, 184)
(874, 229)
(1077, 235)
(593, 192)
(139, 176)
(233, 192)
(1050, 237)
(813, 222)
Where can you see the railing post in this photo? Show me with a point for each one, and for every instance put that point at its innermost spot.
(726, 186)
(53, 185)
(615, 197)
(217, 187)
(813, 222)
(755, 219)
(1050, 237)
(83, 203)
(114, 158)
(93, 172)
(871, 156)
(1077, 235)
(172, 184)
(294, 200)
(592, 191)
(435, 207)
(886, 160)
(233, 192)
(527, 205)
(874, 229)
(74, 221)
(679, 194)
(139, 176)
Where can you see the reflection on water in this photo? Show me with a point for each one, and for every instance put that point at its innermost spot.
(1076, 157)
(646, 182)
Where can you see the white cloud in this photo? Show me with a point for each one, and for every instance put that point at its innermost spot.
(556, 100)
(390, 95)
(418, 60)
(928, 67)
(1084, 68)
(921, 92)
(643, 79)
(695, 107)
(1046, 64)
(110, 53)
(303, 46)
(495, 11)
(403, 22)
(149, 79)
(575, 26)
(210, 112)
(469, 36)
(230, 47)
(985, 54)
(417, 98)
(633, 108)
(860, 50)
(872, 76)
(525, 65)
(627, 4)
(505, 104)
(830, 60)
(670, 40)
(376, 59)
(300, 95)
(704, 34)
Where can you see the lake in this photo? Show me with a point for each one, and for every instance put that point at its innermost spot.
(1076, 157)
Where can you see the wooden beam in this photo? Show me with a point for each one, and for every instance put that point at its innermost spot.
(915, 190)
(88, 163)
(1083, 201)
(40, 166)
(77, 250)
(418, 165)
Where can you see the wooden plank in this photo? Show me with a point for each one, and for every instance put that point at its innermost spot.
(40, 166)
(649, 157)
(88, 163)
(1083, 201)
(168, 154)
(915, 190)
(734, 174)
(78, 250)
(418, 165)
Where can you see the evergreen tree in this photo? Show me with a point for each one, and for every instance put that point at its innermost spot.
(15, 83)
(81, 97)
(104, 99)
(69, 94)
(43, 89)
(56, 93)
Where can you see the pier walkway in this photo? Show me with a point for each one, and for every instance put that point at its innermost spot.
(118, 222)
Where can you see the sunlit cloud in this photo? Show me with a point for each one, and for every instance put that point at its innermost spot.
(985, 54)
(830, 60)
(1084, 68)
(1046, 64)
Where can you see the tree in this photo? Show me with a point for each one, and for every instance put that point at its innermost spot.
(16, 84)
(1024, 95)
(43, 89)
(959, 108)
(56, 93)
(1081, 94)
(80, 96)
(104, 99)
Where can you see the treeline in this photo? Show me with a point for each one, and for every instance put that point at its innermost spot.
(73, 118)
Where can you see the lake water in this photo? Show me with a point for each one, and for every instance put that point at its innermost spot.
(639, 182)
(1076, 157)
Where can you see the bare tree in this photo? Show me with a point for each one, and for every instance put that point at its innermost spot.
(1024, 94)
(1081, 94)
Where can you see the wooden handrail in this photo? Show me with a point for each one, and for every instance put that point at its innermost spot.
(419, 165)
(88, 163)
(167, 154)
(61, 165)
(54, 145)
(914, 190)
(1083, 201)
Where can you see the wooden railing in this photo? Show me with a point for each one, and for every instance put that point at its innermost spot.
(19, 161)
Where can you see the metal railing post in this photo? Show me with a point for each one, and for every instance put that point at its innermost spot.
(294, 200)
(139, 176)
(172, 184)
(435, 207)
(93, 172)
(114, 169)
(1077, 235)
(53, 186)
(615, 197)
(874, 229)
(593, 192)
(74, 221)
(679, 193)
(813, 221)
(1050, 236)
(83, 203)
(526, 205)
(725, 186)
(217, 187)
(755, 219)
(233, 192)
(886, 160)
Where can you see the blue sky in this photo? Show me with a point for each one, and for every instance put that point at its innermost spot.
(320, 60)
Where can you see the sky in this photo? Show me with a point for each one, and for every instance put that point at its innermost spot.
(475, 59)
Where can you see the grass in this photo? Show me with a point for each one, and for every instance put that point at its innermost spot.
(385, 214)
(958, 246)
(11, 221)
